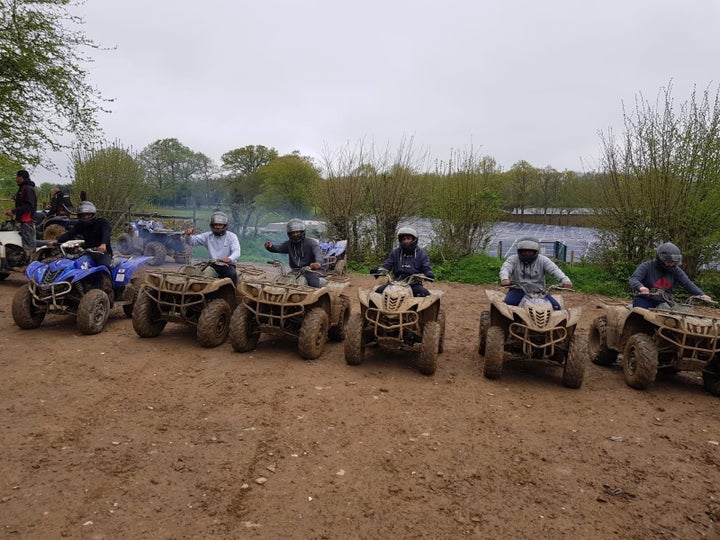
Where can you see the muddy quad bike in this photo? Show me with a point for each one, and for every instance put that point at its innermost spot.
(334, 256)
(153, 240)
(284, 304)
(396, 320)
(533, 331)
(12, 254)
(186, 296)
(72, 284)
(49, 228)
(671, 337)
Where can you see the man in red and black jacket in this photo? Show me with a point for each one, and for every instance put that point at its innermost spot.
(25, 207)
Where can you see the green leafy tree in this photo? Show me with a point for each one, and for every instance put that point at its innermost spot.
(521, 183)
(466, 202)
(288, 183)
(112, 178)
(661, 179)
(243, 181)
(172, 169)
(44, 93)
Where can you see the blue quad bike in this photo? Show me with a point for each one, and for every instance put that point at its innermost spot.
(70, 283)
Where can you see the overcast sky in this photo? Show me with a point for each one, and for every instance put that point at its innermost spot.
(532, 80)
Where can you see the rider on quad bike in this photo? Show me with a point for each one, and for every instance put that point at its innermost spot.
(223, 247)
(302, 252)
(95, 230)
(662, 274)
(529, 268)
(407, 260)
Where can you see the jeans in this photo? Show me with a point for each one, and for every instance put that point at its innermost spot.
(515, 296)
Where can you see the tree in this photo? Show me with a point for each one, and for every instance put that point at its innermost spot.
(112, 179)
(522, 180)
(661, 180)
(243, 180)
(171, 169)
(44, 93)
(466, 202)
(288, 183)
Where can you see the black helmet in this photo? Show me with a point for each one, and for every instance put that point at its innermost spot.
(408, 247)
(86, 207)
(295, 225)
(668, 253)
(528, 244)
(219, 218)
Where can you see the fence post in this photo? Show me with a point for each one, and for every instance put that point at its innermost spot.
(499, 249)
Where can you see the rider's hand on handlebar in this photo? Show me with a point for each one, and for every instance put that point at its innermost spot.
(705, 298)
(505, 282)
(567, 284)
(643, 290)
(315, 266)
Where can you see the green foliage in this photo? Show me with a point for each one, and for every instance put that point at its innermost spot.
(173, 170)
(288, 183)
(44, 93)
(112, 179)
(661, 180)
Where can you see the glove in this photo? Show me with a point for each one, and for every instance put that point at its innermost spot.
(373, 271)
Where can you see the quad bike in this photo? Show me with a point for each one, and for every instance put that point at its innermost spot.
(671, 337)
(396, 320)
(49, 228)
(12, 253)
(153, 240)
(72, 284)
(532, 330)
(285, 305)
(334, 256)
(186, 296)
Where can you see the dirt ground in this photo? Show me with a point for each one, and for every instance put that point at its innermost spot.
(113, 436)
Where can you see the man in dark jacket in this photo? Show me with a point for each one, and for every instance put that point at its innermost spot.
(59, 203)
(25, 207)
(663, 273)
(406, 260)
(94, 230)
(301, 251)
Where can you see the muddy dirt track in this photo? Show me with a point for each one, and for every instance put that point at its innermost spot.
(113, 436)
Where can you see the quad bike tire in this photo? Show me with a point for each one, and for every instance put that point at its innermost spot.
(429, 348)
(24, 313)
(157, 251)
(93, 312)
(313, 333)
(214, 323)
(244, 330)
(574, 366)
(51, 232)
(442, 320)
(354, 342)
(711, 382)
(494, 352)
(337, 332)
(640, 361)
(146, 317)
(125, 244)
(130, 295)
(598, 350)
(482, 333)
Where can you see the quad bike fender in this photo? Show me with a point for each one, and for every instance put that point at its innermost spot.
(573, 316)
(123, 272)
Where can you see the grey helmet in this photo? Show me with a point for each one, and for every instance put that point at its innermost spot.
(528, 244)
(668, 253)
(295, 225)
(219, 218)
(86, 207)
(408, 247)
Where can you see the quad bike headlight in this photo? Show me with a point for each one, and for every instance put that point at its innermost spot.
(295, 297)
(197, 287)
(670, 322)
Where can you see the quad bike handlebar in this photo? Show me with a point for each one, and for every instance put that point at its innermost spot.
(523, 287)
(413, 278)
(667, 297)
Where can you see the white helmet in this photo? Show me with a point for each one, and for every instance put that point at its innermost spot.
(219, 218)
(86, 207)
(528, 244)
(407, 247)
